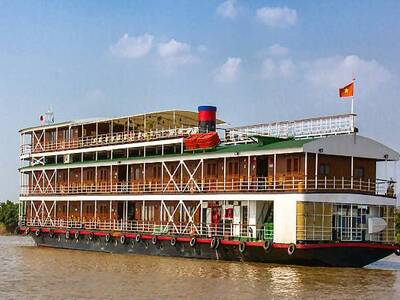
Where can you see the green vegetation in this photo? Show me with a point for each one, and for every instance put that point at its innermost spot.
(8, 217)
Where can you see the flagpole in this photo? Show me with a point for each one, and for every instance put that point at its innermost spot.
(352, 98)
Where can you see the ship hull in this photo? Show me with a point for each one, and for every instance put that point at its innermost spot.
(332, 255)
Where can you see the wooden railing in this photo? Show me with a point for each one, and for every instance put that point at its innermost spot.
(284, 184)
(230, 230)
(107, 139)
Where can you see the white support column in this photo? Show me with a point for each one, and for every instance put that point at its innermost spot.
(248, 172)
(202, 174)
(95, 178)
(95, 210)
(224, 174)
(81, 214)
(181, 166)
(111, 176)
(351, 172)
(110, 211)
(162, 177)
(274, 171)
(316, 171)
(305, 170)
(68, 179)
(81, 178)
(144, 175)
(67, 213)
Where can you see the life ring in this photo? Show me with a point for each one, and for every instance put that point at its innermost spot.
(122, 239)
(242, 247)
(397, 252)
(154, 240)
(27, 230)
(192, 242)
(76, 235)
(108, 237)
(91, 236)
(267, 246)
(138, 238)
(214, 243)
(67, 234)
(173, 241)
(291, 248)
(37, 232)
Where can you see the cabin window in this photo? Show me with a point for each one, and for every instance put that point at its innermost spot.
(324, 169)
(359, 172)
(295, 165)
(289, 165)
(236, 171)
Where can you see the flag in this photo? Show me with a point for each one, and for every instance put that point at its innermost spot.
(347, 91)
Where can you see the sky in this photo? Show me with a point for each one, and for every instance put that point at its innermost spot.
(257, 61)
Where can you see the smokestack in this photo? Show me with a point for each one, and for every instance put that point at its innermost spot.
(207, 118)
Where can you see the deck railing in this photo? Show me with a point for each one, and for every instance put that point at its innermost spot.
(306, 128)
(329, 185)
(107, 139)
(228, 230)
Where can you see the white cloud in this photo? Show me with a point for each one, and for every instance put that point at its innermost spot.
(275, 69)
(133, 47)
(172, 48)
(227, 9)
(338, 70)
(278, 50)
(174, 53)
(229, 71)
(277, 16)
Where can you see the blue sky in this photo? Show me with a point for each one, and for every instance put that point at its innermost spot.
(258, 61)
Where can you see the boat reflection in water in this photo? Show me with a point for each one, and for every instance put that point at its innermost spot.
(29, 272)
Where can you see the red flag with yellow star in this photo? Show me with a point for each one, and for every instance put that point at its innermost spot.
(347, 91)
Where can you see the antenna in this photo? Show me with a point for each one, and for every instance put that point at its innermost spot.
(48, 117)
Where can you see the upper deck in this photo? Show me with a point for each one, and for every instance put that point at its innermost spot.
(82, 134)
(136, 155)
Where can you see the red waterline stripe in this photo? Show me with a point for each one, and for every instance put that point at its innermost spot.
(231, 242)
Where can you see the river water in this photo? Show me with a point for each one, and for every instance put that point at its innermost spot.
(29, 272)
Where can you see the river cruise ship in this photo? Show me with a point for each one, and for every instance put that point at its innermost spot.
(185, 184)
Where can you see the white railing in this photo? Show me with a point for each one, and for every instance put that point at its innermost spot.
(307, 128)
(325, 233)
(237, 231)
(284, 184)
(108, 139)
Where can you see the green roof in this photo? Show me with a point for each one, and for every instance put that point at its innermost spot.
(238, 148)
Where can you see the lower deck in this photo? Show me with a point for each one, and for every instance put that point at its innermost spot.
(285, 221)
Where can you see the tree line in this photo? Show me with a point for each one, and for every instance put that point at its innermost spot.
(9, 215)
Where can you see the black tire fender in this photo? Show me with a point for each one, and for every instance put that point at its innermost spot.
(291, 249)
(242, 247)
(122, 239)
(192, 242)
(397, 251)
(37, 232)
(214, 243)
(154, 240)
(108, 238)
(268, 246)
(138, 238)
(67, 235)
(173, 241)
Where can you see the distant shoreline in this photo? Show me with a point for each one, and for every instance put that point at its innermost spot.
(6, 232)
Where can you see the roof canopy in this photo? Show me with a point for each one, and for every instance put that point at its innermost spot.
(141, 122)
(351, 145)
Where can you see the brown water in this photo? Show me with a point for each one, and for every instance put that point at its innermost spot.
(29, 272)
